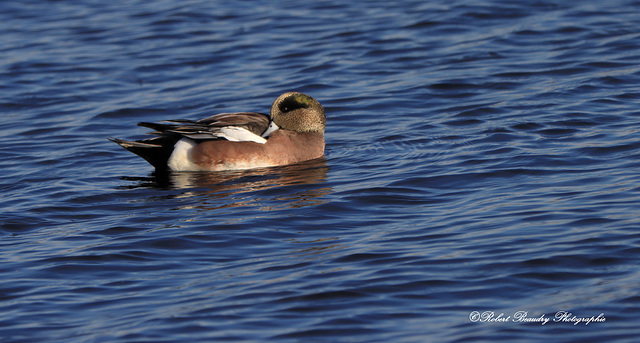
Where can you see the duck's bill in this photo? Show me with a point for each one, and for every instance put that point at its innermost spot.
(272, 128)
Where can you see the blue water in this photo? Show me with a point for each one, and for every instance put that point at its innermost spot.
(482, 157)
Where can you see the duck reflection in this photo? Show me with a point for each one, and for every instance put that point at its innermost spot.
(287, 185)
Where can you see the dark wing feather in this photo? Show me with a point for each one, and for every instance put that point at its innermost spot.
(254, 122)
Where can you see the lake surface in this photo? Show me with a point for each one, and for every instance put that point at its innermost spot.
(481, 173)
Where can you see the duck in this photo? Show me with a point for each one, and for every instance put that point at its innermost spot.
(292, 133)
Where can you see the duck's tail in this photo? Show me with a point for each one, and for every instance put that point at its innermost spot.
(155, 150)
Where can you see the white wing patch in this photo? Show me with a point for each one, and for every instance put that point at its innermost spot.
(230, 133)
(238, 134)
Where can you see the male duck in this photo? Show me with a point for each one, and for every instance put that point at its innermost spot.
(229, 141)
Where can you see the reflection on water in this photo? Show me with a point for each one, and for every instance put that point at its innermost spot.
(317, 247)
(225, 186)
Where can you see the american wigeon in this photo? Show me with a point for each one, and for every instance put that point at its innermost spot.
(293, 133)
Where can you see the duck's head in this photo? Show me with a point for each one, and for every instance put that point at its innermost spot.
(298, 112)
